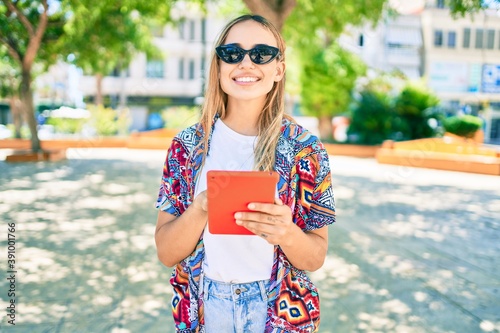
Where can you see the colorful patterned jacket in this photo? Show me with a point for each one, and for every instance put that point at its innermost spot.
(304, 185)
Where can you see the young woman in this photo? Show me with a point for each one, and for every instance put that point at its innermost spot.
(233, 283)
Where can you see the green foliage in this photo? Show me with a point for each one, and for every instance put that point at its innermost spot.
(463, 7)
(413, 108)
(25, 131)
(10, 76)
(371, 119)
(66, 125)
(385, 112)
(465, 126)
(328, 78)
(104, 35)
(15, 35)
(107, 121)
(180, 117)
(326, 19)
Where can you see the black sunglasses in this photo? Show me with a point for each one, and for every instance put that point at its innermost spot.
(261, 54)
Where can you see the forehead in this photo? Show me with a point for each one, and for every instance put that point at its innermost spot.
(250, 33)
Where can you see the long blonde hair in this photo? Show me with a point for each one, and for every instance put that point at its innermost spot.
(271, 117)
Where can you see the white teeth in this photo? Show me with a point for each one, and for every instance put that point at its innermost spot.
(246, 79)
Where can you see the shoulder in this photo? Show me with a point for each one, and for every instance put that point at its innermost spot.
(298, 138)
(189, 137)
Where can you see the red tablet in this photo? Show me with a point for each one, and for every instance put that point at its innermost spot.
(229, 192)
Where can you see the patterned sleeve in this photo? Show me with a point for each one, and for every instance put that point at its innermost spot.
(174, 187)
(315, 204)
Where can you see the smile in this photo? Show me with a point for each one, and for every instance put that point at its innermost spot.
(246, 79)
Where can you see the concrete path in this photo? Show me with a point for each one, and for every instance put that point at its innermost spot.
(414, 250)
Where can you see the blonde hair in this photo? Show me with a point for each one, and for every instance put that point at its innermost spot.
(271, 117)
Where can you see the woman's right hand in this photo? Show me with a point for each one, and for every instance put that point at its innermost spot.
(201, 202)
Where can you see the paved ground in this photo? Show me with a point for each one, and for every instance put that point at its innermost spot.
(414, 250)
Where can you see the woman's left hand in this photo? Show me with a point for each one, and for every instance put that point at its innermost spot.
(273, 222)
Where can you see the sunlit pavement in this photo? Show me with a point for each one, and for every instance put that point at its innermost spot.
(413, 250)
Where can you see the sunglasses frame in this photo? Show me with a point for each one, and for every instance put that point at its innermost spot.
(242, 52)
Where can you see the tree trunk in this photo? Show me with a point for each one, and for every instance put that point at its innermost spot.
(276, 11)
(325, 128)
(17, 115)
(29, 109)
(98, 93)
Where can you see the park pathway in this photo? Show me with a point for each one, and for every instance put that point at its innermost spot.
(413, 250)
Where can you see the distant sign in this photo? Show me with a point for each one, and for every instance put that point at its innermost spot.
(448, 76)
(491, 79)
(456, 77)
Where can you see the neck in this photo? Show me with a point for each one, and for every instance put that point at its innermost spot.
(243, 116)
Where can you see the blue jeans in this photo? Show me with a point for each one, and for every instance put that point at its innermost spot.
(235, 307)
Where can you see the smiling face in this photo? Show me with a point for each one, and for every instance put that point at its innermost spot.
(247, 81)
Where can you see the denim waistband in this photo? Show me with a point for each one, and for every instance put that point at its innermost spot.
(234, 291)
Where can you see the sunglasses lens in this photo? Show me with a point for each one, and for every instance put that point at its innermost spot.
(263, 54)
(260, 55)
(230, 54)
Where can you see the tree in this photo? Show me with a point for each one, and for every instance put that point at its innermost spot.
(24, 26)
(275, 11)
(102, 34)
(328, 79)
(463, 7)
(329, 74)
(106, 35)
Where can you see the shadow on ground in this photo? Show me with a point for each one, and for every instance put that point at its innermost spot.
(403, 256)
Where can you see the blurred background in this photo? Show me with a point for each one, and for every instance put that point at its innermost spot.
(358, 72)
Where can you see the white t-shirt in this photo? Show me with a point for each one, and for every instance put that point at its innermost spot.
(233, 258)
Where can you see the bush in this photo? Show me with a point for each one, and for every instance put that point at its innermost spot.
(67, 125)
(413, 107)
(107, 121)
(180, 117)
(464, 126)
(371, 120)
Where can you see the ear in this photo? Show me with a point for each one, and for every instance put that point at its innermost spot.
(280, 71)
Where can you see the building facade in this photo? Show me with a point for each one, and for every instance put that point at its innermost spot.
(458, 58)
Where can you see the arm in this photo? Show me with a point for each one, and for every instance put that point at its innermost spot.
(176, 237)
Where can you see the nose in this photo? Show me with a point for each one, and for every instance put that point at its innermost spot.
(246, 62)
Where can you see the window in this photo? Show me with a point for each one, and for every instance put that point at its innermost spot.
(203, 29)
(154, 68)
(452, 39)
(117, 72)
(466, 41)
(361, 40)
(479, 38)
(490, 39)
(181, 30)
(191, 69)
(440, 3)
(181, 69)
(192, 30)
(438, 38)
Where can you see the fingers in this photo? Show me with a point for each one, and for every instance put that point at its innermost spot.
(275, 208)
